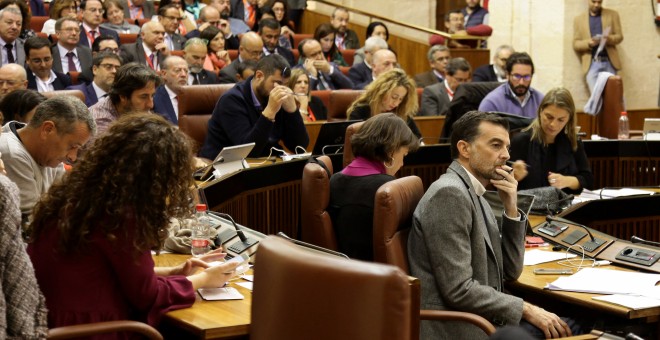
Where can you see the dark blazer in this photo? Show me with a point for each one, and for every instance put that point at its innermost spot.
(318, 108)
(235, 120)
(228, 73)
(62, 81)
(103, 31)
(238, 11)
(287, 54)
(148, 9)
(351, 41)
(360, 73)
(425, 79)
(178, 41)
(163, 105)
(337, 80)
(37, 8)
(135, 53)
(484, 73)
(84, 55)
(88, 91)
(207, 77)
(230, 44)
(435, 100)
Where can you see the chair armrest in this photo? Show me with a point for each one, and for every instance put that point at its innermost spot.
(443, 315)
(85, 330)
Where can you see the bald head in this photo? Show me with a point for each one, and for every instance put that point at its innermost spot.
(251, 47)
(209, 14)
(383, 61)
(12, 78)
(152, 34)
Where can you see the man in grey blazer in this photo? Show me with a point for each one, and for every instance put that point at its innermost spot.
(436, 97)
(68, 33)
(11, 47)
(456, 248)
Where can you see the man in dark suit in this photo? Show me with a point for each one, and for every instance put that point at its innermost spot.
(361, 72)
(138, 9)
(105, 65)
(195, 53)
(383, 60)
(174, 72)
(269, 30)
(436, 97)
(438, 56)
(210, 16)
(9, 37)
(323, 75)
(237, 119)
(497, 70)
(251, 48)
(468, 271)
(40, 74)
(150, 49)
(93, 17)
(345, 39)
(170, 17)
(67, 55)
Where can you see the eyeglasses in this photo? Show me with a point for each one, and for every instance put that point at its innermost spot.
(109, 67)
(9, 82)
(110, 49)
(257, 54)
(40, 61)
(173, 18)
(518, 77)
(96, 10)
(71, 30)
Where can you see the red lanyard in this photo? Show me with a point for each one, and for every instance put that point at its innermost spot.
(151, 64)
(139, 14)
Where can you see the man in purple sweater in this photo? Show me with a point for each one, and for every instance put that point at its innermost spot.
(516, 96)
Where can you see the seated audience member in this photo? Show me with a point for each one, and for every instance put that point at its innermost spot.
(375, 29)
(239, 119)
(187, 23)
(105, 66)
(279, 8)
(325, 35)
(68, 56)
(311, 107)
(392, 91)
(548, 152)
(436, 97)
(132, 90)
(20, 105)
(105, 43)
(12, 77)
(269, 30)
(455, 24)
(345, 38)
(251, 48)
(39, 61)
(59, 9)
(195, 54)
(211, 17)
(474, 14)
(34, 153)
(9, 33)
(137, 9)
(379, 148)
(516, 96)
(217, 57)
(383, 61)
(114, 14)
(438, 56)
(25, 31)
(361, 73)
(245, 70)
(497, 70)
(97, 251)
(456, 248)
(92, 17)
(323, 74)
(175, 75)
(150, 49)
(23, 309)
(237, 26)
(170, 17)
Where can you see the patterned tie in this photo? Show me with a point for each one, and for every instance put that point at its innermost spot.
(72, 64)
(151, 57)
(10, 53)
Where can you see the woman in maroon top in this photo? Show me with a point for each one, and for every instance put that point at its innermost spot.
(93, 233)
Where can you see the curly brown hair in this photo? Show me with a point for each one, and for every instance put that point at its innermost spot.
(139, 171)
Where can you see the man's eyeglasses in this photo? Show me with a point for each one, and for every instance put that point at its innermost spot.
(110, 49)
(109, 67)
(518, 77)
(40, 61)
(9, 82)
(71, 30)
(96, 10)
(173, 18)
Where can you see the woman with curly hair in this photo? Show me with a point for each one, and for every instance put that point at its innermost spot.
(325, 34)
(26, 31)
(392, 91)
(93, 233)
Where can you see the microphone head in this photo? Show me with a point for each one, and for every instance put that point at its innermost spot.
(549, 218)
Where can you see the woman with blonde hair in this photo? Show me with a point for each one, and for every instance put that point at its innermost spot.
(548, 152)
(393, 91)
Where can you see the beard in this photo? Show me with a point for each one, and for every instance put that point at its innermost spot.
(195, 69)
(519, 90)
(262, 95)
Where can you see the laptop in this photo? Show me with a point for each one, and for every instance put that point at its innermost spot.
(331, 137)
(525, 203)
(230, 159)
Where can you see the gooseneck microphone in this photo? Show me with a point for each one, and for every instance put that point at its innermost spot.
(635, 239)
(588, 246)
(245, 242)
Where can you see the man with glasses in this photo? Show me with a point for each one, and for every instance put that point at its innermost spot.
(438, 56)
(323, 75)
(497, 70)
(170, 17)
(209, 16)
(251, 48)
(436, 97)
(260, 110)
(138, 9)
(195, 54)
(105, 43)
(92, 17)
(516, 96)
(39, 61)
(175, 75)
(150, 50)
(11, 47)
(105, 65)
(12, 77)
(67, 55)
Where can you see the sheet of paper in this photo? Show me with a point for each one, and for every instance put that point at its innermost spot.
(246, 285)
(215, 294)
(630, 301)
(603, 40)
(537, 256)
(625, 192)
(606, 281)
(247, 277)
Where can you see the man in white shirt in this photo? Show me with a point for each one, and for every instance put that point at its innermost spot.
(104, 70)
(39, 61)
(11, 47)
(150, 50)
(174, 72)
(67, 55)
(92, 17)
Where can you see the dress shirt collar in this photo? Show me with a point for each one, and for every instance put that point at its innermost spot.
(255, 100)
(89, 28)
(45, 85)
(522, 103)
(479, 188)
(438, 75)
(148, 51)
(64, 51)
(99, 91)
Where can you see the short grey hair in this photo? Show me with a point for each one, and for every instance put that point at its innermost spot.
(194, 41)
(457, 64)
(64, 111)
(12, 10)
(435, 48)
(165, 64)
(374, 42)
(502, 48)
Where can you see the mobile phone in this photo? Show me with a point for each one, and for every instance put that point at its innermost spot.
(552, 229)
(550, 271)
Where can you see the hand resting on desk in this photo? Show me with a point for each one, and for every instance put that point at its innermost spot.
(210, 277)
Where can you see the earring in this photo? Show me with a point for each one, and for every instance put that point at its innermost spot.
(391, 161)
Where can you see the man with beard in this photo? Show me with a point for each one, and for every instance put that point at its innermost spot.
(345, 39)
(174, 71)
(495, 71)
(515, 96)
(589, 29)
(261, 109)
(474, 14)
(105, 65)
(269, 30)
(195, 52)
(456, 248)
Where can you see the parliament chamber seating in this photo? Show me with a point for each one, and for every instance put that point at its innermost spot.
(340, 101)
(54, 38)
(316, 225)
(344, 70)
(37, 23)
(349, 56)
(74, 93)
(348, 150)
(607, 121)
(196, 103)
(127, 38)
(107, 327)
(74, 77)
(141, 22)
(297, 38)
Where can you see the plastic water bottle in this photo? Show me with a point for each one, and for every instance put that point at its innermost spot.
(624, 126)
(200, 232)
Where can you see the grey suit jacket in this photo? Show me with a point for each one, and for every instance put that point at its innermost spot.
(425, 79)
(135, 53)
(148, 9)
(228, 73)
(435, 100)
(84, 54)
(19, 53)
(461, 256)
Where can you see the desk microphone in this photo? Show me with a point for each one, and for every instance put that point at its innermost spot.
(588, 246)
(635, 239)
(245, 242)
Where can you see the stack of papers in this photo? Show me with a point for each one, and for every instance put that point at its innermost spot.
(606, 281)
(588, 195)
(536, 256)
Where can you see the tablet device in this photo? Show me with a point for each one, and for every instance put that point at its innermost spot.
(229, 160)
